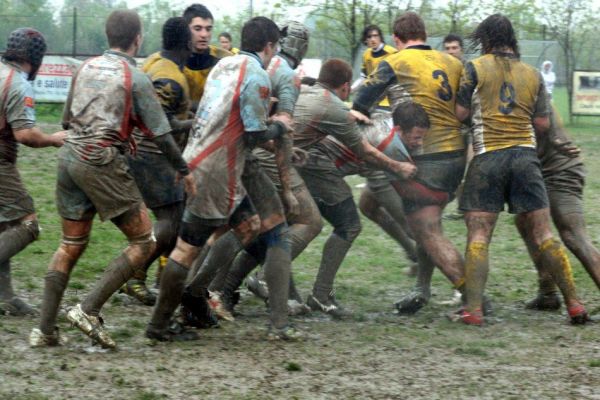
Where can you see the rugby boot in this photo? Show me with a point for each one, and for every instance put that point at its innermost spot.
(229, 300)
(90, 325)
(288, 333)
(466, 317)
(257, 287)
(297, 308)
(196, 312)
(577, 314)
(176, 332)
(411, 303)
(544, 302)
(328, 306)
(137, 289)
(16, 307)
(38, 339)
(216, 305)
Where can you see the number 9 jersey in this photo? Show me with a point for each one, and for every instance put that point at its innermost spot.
(504, 95)
(427, 77)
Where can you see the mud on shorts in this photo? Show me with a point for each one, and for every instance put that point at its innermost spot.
(565, 189)
(83, 189)
(155, 178)
(324, 181)
(261, 190)
(196, 230)
(510, 176)
(439, 171)
(15, 202)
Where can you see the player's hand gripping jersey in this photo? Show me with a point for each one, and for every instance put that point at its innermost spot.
(427, 77)
(235, 101)
(504, 95)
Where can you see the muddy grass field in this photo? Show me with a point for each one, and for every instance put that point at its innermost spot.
(376, 355)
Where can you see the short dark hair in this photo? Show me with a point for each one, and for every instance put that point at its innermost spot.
(408, 115)
(257, 32)
(494, 33)
(197, 11)
(410, 26)
(369, 28)
(335, 72)
(122, 27)
(453, 38)
(226, 35)
(176, 34)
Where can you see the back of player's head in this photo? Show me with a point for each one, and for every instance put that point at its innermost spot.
(257, 32)
(410, 26)
(494, 34)
(335, 72)
(294, 41)
(176, 34)
(122, 27)
(410, 114)
(26, 45)
(368, 29)
(453, 38)
(226, 35)
(197, 11)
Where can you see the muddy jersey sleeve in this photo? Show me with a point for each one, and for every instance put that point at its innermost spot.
(468, 83)
(20, 112)
(338, 123)
(171, 96)
(542, 104)
(254, 102)
(286, 87)
(147, 108)
(374, 87)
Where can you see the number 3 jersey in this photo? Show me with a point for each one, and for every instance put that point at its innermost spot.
(504, 96)
(427, 77)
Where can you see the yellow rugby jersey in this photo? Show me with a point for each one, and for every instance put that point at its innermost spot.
(170, 84)
(197, 68)
(504, 96)
(371, 60)
(427, 77)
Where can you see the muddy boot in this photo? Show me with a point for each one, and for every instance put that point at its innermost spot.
(288, 333)
(10, 304)
(328, 305)
(412, 302)
(196, 311)
(176, 332)
(92, 326)
(544, 302)
(138, 290)
(38, 339)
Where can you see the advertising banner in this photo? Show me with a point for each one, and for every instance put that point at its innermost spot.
(586, 93)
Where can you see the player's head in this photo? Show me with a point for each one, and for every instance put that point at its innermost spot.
(453, 45)
(260, 34)
(294, 41)
(372, 36)
(225, 41)
(200, 21)
(412, 123)
(176, 36)
(547, 66)
(409, 27)
(336, 74)
(496, 34)
(124, 30)
(26, 45)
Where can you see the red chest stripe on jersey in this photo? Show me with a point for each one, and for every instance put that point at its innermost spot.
(386, 142)
(264, 92)
(347, 156)
(29, 102)
(228, 137)
(275, 66)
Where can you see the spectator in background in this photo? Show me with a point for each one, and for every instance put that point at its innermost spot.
(225, 42)
(549, 76)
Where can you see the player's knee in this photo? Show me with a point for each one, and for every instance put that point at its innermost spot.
(32, 227)
(73, 246)
(278, 236)
(248, 229)
(367, 205)
(141, 247)
(349, 231)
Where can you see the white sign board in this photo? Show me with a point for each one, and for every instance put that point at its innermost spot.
(586, 93)
(309, 67)
(54, 79)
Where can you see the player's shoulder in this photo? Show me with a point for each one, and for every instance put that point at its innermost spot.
(219, 52)
(390, 49)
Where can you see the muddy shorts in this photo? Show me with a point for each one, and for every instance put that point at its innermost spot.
(510, 176)
(83, 189)
(196, 230)
(440, 171)
(15, 202)
(324, 181)
(155, 178)
(565, 189)
(266, 160)
(262, 191)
